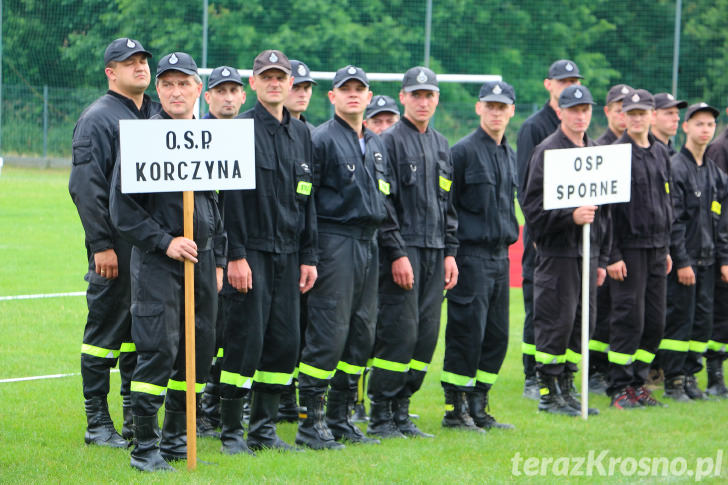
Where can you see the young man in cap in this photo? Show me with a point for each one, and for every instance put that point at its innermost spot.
(107, 335)
(639, 259)
(557, 277)
(352, 182)
(599, 342)
(300, 95)
(484, 187)
(533, 131)
(698, 245)
(225, 95)
(153, 223)
(417, 261)
(381, 113)
(271, 261)
(666, 119)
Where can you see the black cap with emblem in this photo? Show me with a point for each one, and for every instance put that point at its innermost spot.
(177, 61)
(575, 95)
(618, 92)
(497, 91)
(122, 49)
(667, 100)
(301, 73)
(271, 59)
(564, 69)
(697, 107)
(638, 99)
(381, 104)
(224, 74)
(419, 78)
(350, 72)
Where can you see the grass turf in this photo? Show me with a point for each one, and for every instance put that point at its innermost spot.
(42, 422)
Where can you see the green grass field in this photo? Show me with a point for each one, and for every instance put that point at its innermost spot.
(42, 422)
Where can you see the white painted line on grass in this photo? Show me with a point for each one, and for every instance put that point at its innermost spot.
(41, 295)
(37, 378)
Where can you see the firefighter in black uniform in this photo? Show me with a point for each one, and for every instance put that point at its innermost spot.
(352, 182)
(557, 277)
(538, 126)
(599, 342)
(153, 223)
(666, 119)
(225, 95)
(484, 188)
(718, 343)
(697, 244)
(639, 260)
(107, 336)
(382, 113)
(271, 260)
(416, 267)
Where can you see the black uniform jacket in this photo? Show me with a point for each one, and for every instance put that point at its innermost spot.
(646, 220)
(607, 138)
(95, 149)
(718, 151)
(151, 221)
(698, 194)
(484, 191)
(279, 216)
(532, 132)
(554, 231)
(422, 190)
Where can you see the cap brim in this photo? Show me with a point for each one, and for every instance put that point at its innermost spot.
(349, 78)
(183, 70)
(268, 68)
(383, 109)
(571, 104)
(220, 81)
(679, 104)
(421, 87)
(633, 107)
(127, 54)
(709, 109)
(497, 98)
(299, 80)
(616, 99)
(567, 76)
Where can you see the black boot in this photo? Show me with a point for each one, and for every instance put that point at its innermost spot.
(692, 389)
(338, 418)
(262, 429)
(478, 405)
(173, 445)
(233, 433)
(400, 411)
(381, 421)
(716, 382)
(551, 400)
(566, 386)
(208, 413)
(288, 406)
(100, 429)
(456, 412)
(530, 387)
(675, 389)
(145, 456)
(312, 431)
(127, 429)
(598, 383)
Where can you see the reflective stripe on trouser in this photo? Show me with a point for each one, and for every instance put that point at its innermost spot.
(214, 378)
(108, 326)
(158, 326)
(476, 334)
(557, 312)
(599, 342)
(342, 309)
(718, 342)
(408, 324)
(261, 326)
(637, 318)
(528, 264)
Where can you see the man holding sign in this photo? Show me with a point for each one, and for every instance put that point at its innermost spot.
(558, 275)
(153, 222)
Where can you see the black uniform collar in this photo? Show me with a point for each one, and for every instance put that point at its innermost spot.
(411, 125)
(625, 138)
(270, 123)
(130, 102)
(551, 113)
(689, 155)
(489, 139)
(165, 115)
(568, 140)
(346, 126)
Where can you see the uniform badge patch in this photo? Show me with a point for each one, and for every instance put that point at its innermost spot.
(301, 70)
(635, 98)
(421, 77)
(381, 102)
(173, 59)
(578, 94)
(351, 70)
(130, 44)
(569, 67)
(625, 90)
(225, 72)
(670, 97)
(497, 89)
(273, 57)
(703, 105)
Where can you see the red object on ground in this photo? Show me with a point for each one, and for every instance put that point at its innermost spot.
(515, 252)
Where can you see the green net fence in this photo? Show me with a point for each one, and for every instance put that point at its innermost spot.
(52, 51)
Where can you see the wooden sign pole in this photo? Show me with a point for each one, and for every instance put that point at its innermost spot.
(188, 200)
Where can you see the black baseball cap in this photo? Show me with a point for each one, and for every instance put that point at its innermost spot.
(350, 72)
(122, 49)
(271, 59)
(575, 95)
(418, 78)
(638, 99)
(618, 92)
(224, 74)
(667, 100)
(497, 91)
(694, 108)
(301, 73)
(381, 104)
(177, 61)
(563, 69)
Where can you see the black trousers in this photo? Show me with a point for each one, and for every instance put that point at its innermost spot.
(688, 324)
(107, 335)
(262, 326)
(342, 311)
(528, 265)
(408, 326)
(599, 342)
(557, 312)
(718, 343)
(637, 318)
(158, 329)
(476, 336)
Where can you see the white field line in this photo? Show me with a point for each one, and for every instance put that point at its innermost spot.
(41, 295)
(37, 378)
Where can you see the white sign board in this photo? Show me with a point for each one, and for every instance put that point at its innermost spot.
(179, 155)
(573, 177)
